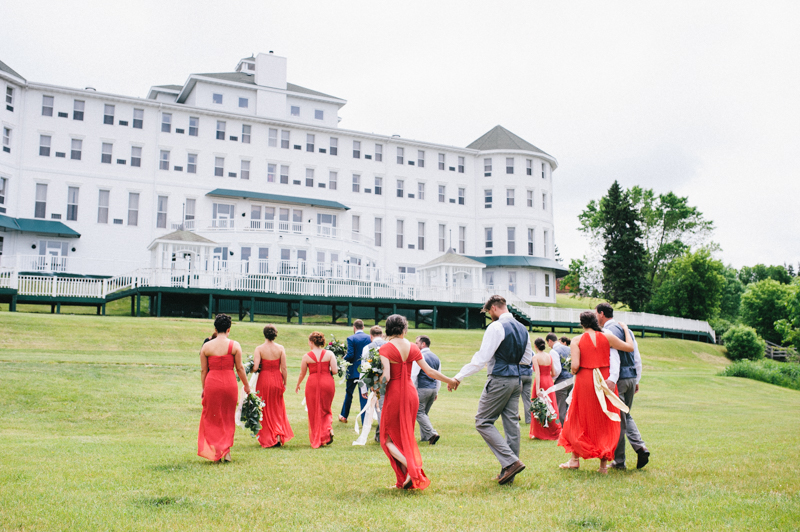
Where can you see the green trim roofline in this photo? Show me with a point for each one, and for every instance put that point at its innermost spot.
(46, 227)
(276, 198)
(522, 261)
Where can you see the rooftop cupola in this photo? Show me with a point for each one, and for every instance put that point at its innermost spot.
(247, 65)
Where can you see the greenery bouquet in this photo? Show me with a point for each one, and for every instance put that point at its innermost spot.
(542, 411)
(339, 350)
(252, 413)
(371, 371)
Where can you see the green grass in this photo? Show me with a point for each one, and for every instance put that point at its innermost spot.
(98, 422)
(785, 374)
(570, 301)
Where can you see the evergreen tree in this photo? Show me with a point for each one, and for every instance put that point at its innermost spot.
(625, 278)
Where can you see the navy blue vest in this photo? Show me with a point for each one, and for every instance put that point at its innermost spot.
(511, 350)
(423, 381)
(626, 368)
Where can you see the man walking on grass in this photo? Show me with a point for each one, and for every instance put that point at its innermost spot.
(355, 344)
(559, 354)
(427, 390)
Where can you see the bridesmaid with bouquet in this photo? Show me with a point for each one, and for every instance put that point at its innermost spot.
(321, 366)
(218, 358)
(544, 380)
(269, 360)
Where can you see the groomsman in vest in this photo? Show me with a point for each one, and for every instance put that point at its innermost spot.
(625, 371)
(355, 345)
(505, 346)
(427, 390)
(377, 340)
(559, 353)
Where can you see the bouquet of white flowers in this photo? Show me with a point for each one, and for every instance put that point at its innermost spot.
(339, 350)
(252, 413)
(543, 411)
(371, 371)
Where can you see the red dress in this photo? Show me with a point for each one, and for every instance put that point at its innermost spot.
(320, 389)
(588, 431)
(553, 430)
(270, 387)
(399, 415)
(220, 395)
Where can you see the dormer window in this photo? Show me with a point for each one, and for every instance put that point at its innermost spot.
(295, 110)
(250, 66)
(243, 103)
(216, 98)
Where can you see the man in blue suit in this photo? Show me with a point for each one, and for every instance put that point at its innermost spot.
(355, 345)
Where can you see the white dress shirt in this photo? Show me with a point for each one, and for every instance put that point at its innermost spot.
(415, 369)
(492, 338)
(613, 370)
(556, 361)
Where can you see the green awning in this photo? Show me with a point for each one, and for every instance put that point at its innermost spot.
(7, 222)
(46, 227)
(522, 261)
(276, 198)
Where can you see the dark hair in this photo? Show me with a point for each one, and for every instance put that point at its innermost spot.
(539, 343)
(222, 322)
(317, 338)
(270, 332)
(551, 337)
(396, 324)
(589, 321)
(606, 309)
(500, 301)
(376, 330)
(424, 339)
(358, 324)
(564, 340)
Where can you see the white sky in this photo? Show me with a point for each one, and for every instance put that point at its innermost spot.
(700, 98)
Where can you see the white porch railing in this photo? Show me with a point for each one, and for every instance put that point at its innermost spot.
(67, 264)
(272, 226)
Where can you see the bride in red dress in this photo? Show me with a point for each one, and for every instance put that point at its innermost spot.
(401, 403)
(269, 360)
(321, 366)
(592, 427)
(544, 380)
(218, 357)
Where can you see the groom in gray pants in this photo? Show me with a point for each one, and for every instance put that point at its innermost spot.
(506, 345)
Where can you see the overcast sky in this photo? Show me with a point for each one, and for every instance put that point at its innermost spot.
(701, 98)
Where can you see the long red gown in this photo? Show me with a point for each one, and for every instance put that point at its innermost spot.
(399, 415)
(588, 431)
(553, 430)
(320, 389)
(275, 422)
(220, 395)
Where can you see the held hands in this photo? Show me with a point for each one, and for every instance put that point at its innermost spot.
(452, 385)
(297, 389)
(611, 385)
(636, 390)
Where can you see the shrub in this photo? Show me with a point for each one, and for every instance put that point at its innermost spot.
(786, 374)
(720, 326)
(742, 342)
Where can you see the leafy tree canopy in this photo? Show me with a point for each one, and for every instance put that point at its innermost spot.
(692, 288)
(731, 295)
(759, 272)
(764, 303)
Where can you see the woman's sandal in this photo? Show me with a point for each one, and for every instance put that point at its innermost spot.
(408, 483)
(603, 470)
(568, 465)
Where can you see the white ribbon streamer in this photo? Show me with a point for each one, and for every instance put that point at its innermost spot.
(370, 412)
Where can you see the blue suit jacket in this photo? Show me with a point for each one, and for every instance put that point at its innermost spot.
(355, 345)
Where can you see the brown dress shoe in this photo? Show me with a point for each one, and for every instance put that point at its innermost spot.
(510, 472)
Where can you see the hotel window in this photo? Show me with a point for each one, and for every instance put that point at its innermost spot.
(512, 242)
(510, 197)
(530, 198)
(400, 234)
(166, 122)
(462, 196)
(194, 126)
(77, 148)
(47, 105)
(333, 147)
(544, 201)
(356, 149)
(378, 190)
(102, 206)
(309, 177)
(544, 170)
(356, 183)
(243, 103)
(246, 129)
(529, 166)
(191, 163)
(272, 141)
(547, 285)
(421, 191)
(531, 241)
(460, 165)
(310, 142)
(488, 243)
(40, 205)
(133, 208)
(219, 166)
(332, 180)
(72, 204)
(189, 213)
(421, 236)
(3, 185)
(108, 114)
(356, 221)
(462, 239)
(285, 138)
(220, 130)
(136, 156)
(295, 110)
(79, 105)
(161, 213)
(442, 231)
(441, 161)
(271, 169)
(487, 167)
(10, 99)
(487, 198)
(284, 174)
(378, 232)
(509, 165)
(488, 279)
(400, 185)
(244, 172)
(442, 193)
(421, 158)
(138, 118)
(512, 282)
(44, 145)
(379, 152)
(163, 160)
(400, 155)
(7, 140)
(546, 243)
(531, 284)
(319, 114)
(216, 98)
(107, 152)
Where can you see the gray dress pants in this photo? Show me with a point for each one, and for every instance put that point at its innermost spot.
(527, 386)
(500, 398)
(426, 398)
(561, 400)
(625, 389)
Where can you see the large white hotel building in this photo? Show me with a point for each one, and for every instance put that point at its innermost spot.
(255, 173)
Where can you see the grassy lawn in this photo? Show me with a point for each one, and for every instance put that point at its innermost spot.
(99, 416)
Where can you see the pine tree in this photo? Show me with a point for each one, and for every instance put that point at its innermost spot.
(625, 259)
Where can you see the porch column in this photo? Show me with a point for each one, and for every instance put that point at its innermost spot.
(435, 315)
(252, 308)
(12, 307)
(300, 313)
(466, 318)
(138, 305)
(210, 306)
(349, 314)
(158, 305)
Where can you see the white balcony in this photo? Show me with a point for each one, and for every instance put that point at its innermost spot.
(245, 225)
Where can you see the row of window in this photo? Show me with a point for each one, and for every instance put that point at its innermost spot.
(489, 278)
(511, 241)
(511, 198)
(244, 103)
(103, 201)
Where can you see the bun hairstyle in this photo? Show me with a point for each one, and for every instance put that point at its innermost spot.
(317, 338)
(222, 323)
(270, 332)
(589, 321)
(539, 343)
(564, 340)
(396, 325)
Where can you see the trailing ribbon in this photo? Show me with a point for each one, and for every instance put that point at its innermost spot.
(370, 412)
(601, 389)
